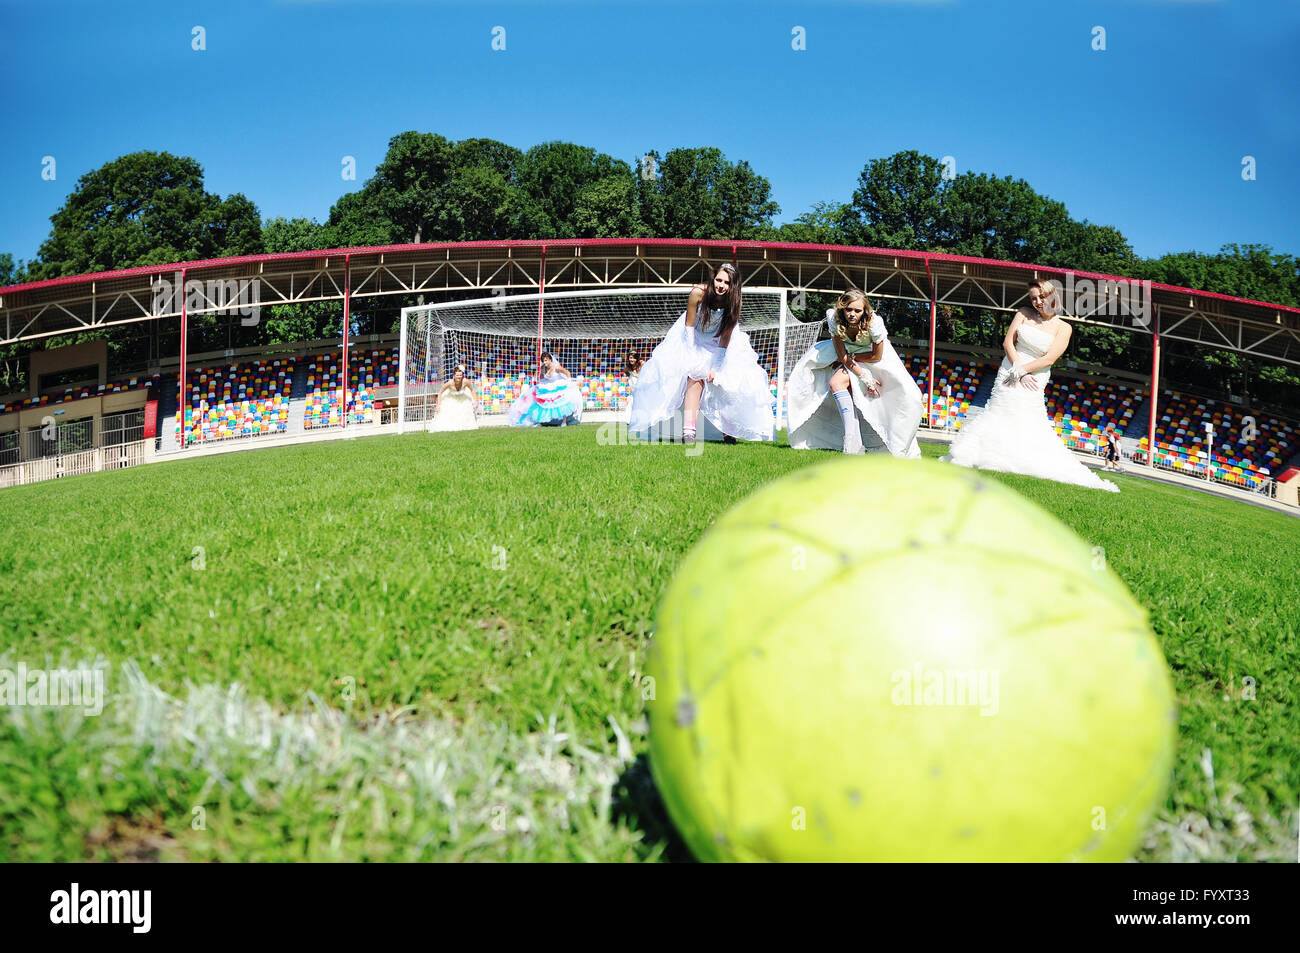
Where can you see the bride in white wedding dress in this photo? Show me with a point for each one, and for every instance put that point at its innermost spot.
(1014, 434)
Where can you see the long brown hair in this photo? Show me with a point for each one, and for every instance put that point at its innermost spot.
(730, 305)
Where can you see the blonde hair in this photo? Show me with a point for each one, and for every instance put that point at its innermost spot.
(840, 326)
(1051, 294)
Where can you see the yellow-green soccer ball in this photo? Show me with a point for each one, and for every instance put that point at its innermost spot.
(888, 660)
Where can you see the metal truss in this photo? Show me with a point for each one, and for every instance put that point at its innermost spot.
(439, 271)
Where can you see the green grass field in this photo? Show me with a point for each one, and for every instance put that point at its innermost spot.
(429, 647)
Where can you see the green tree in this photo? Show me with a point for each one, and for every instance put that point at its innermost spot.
(11, 272)
(697, 193)
(744, 197)
(396, 203)
(900, 203)
(430, 189)
(1101, 248)
(146, 208)
(1246, 271)
(281, 235)
(13, 362)
(1001, 218)
(607, 208)
(827, 223)
(554, 177)
(288, 323)
(477, 203)
(650, 202)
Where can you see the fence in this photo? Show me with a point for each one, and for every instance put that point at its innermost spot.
(115, 457)
(126, 427)
(1257, 484)
(58, 438)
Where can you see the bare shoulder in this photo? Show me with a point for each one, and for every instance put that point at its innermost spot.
(1063, 328)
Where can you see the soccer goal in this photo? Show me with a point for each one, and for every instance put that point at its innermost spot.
(500, 340)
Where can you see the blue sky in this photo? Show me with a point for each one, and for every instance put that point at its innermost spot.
(1148, 135)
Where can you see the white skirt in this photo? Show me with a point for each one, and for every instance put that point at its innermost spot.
(1014, 435)
(887, 423)
(455, 412)
(738, 402)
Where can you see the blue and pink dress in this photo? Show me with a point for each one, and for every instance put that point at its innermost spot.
(554, 401)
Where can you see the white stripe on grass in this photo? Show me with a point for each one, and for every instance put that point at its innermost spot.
(388, 785)
(1224, 832)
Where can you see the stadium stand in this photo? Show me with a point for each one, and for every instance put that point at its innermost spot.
(80, 393)
(1241, 455)
(1081, 409)
(237, 400)
(367, 370)
(963, 376)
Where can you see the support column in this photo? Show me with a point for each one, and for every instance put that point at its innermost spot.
(183, 404)
(403, 369)
(929, 383)
(1155, 389)
(347, 320)
(541, 303)
(780, 365)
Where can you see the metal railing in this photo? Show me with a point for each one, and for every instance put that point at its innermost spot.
(419, 409)
(280, 427)
(58, 438)
(1261, 485)
(113, 457)
(126, 427)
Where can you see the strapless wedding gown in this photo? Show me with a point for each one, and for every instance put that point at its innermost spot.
(1014, 433)
(456, 411)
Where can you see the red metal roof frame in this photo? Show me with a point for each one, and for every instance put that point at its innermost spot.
(539, 243)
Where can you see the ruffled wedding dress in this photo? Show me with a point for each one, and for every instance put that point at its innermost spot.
(737, 402)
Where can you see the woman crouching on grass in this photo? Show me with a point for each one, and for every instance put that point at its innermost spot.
(853, 392)
(456, 406)
(554, 401)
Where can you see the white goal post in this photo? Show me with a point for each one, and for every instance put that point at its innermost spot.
(500, 339)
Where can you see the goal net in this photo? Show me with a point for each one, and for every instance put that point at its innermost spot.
(500, 340)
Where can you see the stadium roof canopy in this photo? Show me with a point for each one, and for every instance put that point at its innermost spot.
(1270, 332)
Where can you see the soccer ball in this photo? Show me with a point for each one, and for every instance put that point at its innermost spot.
(886, 660)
